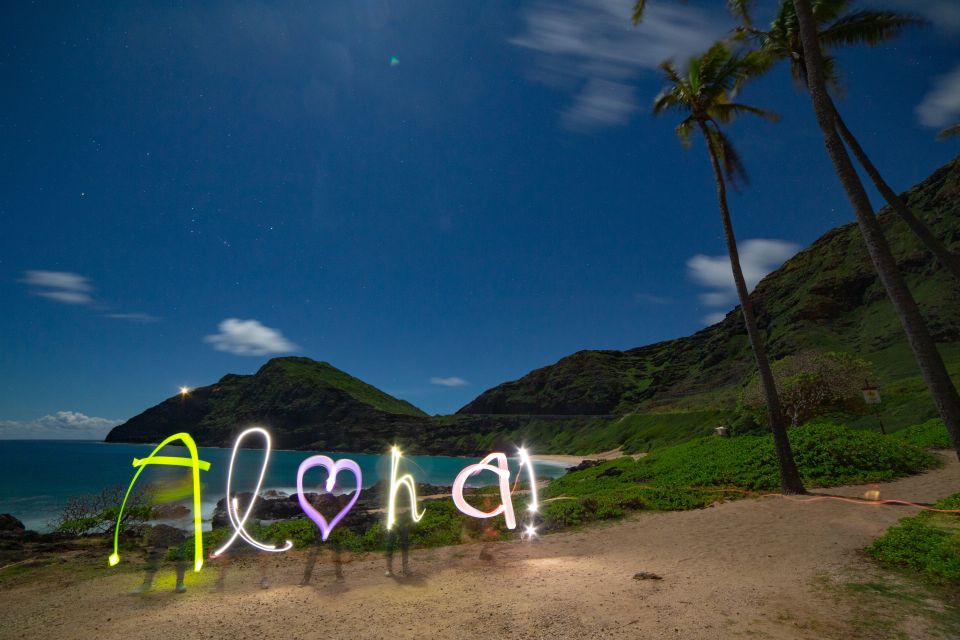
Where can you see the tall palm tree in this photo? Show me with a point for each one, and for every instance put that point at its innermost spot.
(944, 393)
(837, 27)
(703, 92)
(934, 373)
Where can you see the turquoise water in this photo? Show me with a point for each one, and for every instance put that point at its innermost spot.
(38, 476)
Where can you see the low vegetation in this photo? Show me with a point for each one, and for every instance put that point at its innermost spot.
(703, 471)
(928, 543)
(931, 434)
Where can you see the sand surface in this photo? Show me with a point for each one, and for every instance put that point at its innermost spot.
(572, 461)
(749, 568)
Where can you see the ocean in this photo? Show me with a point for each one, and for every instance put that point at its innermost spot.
(37, 477)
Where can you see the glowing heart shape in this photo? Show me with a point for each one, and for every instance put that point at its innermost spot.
(333, 468)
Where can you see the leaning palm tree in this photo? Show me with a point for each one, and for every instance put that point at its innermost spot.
(934, 373)
(704, 93)
(837, 26)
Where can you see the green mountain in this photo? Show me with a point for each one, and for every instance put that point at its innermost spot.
(827, 297)
(306, 405)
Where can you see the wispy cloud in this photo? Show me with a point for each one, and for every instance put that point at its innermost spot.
(757, 259)
(62, 286)
(591, 48)
(452, 381)
(714, 317)
(941, 106)
(649, 298)
(64, 425)
(249, 338)
(136, 316)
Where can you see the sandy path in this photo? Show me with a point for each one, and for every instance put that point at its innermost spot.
(745, 568)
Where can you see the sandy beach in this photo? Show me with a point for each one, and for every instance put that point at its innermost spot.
(572, 461)
(767, 567)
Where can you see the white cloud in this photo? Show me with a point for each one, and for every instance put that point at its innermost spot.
(452, 381)
(714, 317)
(135, 316)
(592, 48)
(66, 297)
(62, 286)
(65, 425)
(941, 106)
(58, 280)
(249, 338)
(757, 258)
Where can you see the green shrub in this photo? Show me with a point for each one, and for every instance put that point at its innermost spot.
(698, 473)
(928, 542)
(931, 434)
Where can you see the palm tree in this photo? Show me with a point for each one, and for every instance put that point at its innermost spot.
(944, 393)
(934, 373)
(836, 27)
(704, 93)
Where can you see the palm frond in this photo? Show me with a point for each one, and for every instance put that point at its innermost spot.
(639, 7)
(867, 27)
(741, 10)
(684, 131)
(733, 168)
(726, 112)
(950, 132)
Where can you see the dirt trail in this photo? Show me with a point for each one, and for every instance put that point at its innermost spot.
(745, 568)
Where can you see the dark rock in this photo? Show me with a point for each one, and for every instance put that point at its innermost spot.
(586, 464)
(169, 511)
(646, 575)
(9, 523)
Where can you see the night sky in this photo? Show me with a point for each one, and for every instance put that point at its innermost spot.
(434, 196)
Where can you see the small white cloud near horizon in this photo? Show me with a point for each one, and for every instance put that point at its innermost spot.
(64, 425)
(758, 258)
(941, 106)
(590, 48)
(249, 338)
(452, 381)
(61, 286)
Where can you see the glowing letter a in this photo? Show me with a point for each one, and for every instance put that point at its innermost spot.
(174, 461)
(395, 484)
(503, 472)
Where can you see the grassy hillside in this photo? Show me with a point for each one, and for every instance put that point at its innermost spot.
(827, 297)
(306, 404)
(321, 373)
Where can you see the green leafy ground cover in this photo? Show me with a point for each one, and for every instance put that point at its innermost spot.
(697, 473)
(928, 435)
(928, 543)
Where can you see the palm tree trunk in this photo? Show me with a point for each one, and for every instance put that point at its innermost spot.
(950, 261)
(934, 372)
(790, 481)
